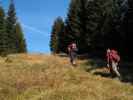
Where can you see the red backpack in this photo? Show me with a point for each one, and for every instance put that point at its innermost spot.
(114, 55)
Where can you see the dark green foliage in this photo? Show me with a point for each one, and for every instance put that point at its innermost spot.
(72, 28)
(76, 24)
(20, 41)
(106, 21)
(127, 28)
(96, 22)
(61, 35)
(3, 35)
(10, 28)
(83, 16)
(88, 21)
(56, 41)
(11, 35)
(96, 25)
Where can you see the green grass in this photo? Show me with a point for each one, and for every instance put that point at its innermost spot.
(43, 77)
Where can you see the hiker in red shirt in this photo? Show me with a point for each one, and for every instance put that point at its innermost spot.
(72, 51)
(112, 61)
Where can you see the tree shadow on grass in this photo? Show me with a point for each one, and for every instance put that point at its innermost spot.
(126, 70)
(93, 64)
(103, 74)
(97, 65)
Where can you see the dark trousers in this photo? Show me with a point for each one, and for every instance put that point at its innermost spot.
(73, 57)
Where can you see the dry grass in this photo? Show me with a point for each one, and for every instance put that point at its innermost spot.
(45, 77)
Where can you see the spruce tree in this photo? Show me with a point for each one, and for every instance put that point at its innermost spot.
(10, 27)
(127, 26)
(82, 16)
(92, 23)
(102, 23)
(76, 24)
(130, 28)
(20, 41)
(3, 35)
(56, 31)
(61, 35)
(72, 28)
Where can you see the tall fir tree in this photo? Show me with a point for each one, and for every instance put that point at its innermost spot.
(76, 24)
(11, 34)
(61, 35)
(102, 19)
(96, 25)
(20, 40)
(130, 29)
(72, 28)
(55, 33)
(82, 16)
(92, 23)
(10, 27)
(3, 35)
(127, 26)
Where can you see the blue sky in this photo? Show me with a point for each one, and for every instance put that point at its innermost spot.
(36, 17)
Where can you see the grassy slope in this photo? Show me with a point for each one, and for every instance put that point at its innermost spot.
(43, 77)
